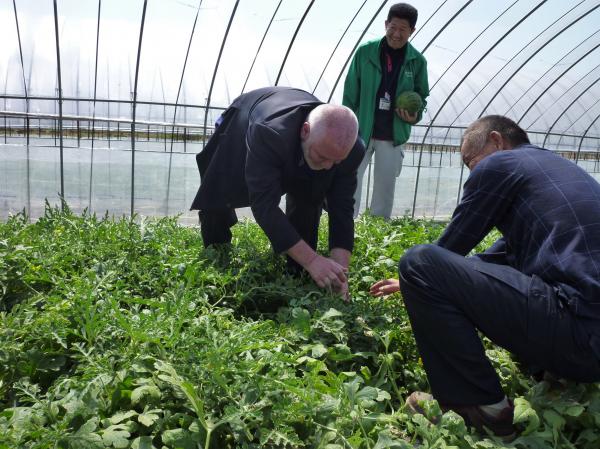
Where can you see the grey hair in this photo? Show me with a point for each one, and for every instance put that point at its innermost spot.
(478, 133)
(335, 122)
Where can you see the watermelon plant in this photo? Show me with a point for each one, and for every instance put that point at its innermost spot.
(409, 101)
(127, 334)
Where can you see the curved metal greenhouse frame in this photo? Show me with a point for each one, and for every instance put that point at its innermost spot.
(105, 103)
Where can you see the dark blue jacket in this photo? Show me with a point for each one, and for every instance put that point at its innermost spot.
(548, 211)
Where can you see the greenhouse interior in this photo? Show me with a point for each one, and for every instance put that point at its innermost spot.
(104, 106)
(99, 107)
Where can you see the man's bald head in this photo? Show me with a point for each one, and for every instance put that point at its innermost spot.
(328, 135)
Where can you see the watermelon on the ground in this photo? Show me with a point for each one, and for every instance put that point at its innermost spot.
(410, 101)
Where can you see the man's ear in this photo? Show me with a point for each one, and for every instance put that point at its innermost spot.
(497, 140)
(304, 130)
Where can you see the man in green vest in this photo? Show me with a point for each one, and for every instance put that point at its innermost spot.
(380, 70)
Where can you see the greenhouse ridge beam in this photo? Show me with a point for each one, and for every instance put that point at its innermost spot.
(66, 117)
(106, 100)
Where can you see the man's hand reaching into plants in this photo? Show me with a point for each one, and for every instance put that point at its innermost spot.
(327, 273)
(385, 287)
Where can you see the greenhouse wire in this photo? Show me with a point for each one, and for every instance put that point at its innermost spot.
(558, 79)
(448, 22)
(187, 53)
(580, 117)
(566, 93)
(513, 58)
(583, 137)
(214, 75)
(471, 43)
(446, 71)
(422, 27)
(456, 88)
(514, 73)
(28, 168)
(351, 54)
(260, 46)
(554, 36)
(134, 105)
(567, 108)
(292, 41)
(337, 45)
(60, 111)
(94, 103)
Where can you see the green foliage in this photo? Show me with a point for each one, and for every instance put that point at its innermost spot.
(127, 334)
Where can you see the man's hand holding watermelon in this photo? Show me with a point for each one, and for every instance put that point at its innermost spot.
(408, 106)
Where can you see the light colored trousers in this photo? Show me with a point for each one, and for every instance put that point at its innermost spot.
(388, 165)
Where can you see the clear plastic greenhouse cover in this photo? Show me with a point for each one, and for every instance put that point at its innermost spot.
(106, 102)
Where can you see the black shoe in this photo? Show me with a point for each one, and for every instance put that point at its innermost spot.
(500, 425)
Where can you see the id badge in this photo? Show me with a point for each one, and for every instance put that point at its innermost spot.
(385, 103)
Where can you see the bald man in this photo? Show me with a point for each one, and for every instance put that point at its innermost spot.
(275, 141)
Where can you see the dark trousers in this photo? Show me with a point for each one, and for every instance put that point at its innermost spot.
(449, 298)
(303, 215)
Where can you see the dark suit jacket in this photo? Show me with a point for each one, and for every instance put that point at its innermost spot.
(548, 211)
(255, 157)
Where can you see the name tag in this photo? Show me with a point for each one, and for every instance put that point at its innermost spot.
(385, 103)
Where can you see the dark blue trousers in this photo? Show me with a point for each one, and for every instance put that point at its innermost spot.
(449, 298)
(303, 215)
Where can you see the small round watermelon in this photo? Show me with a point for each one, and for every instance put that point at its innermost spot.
(410, 101)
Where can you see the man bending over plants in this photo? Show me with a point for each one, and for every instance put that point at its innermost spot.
(275, 141)
(535, 291)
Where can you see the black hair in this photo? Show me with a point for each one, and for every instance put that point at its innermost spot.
(404, 11)
(508, 129)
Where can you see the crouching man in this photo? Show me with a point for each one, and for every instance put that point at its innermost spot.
(534, 292)
(275, 141)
